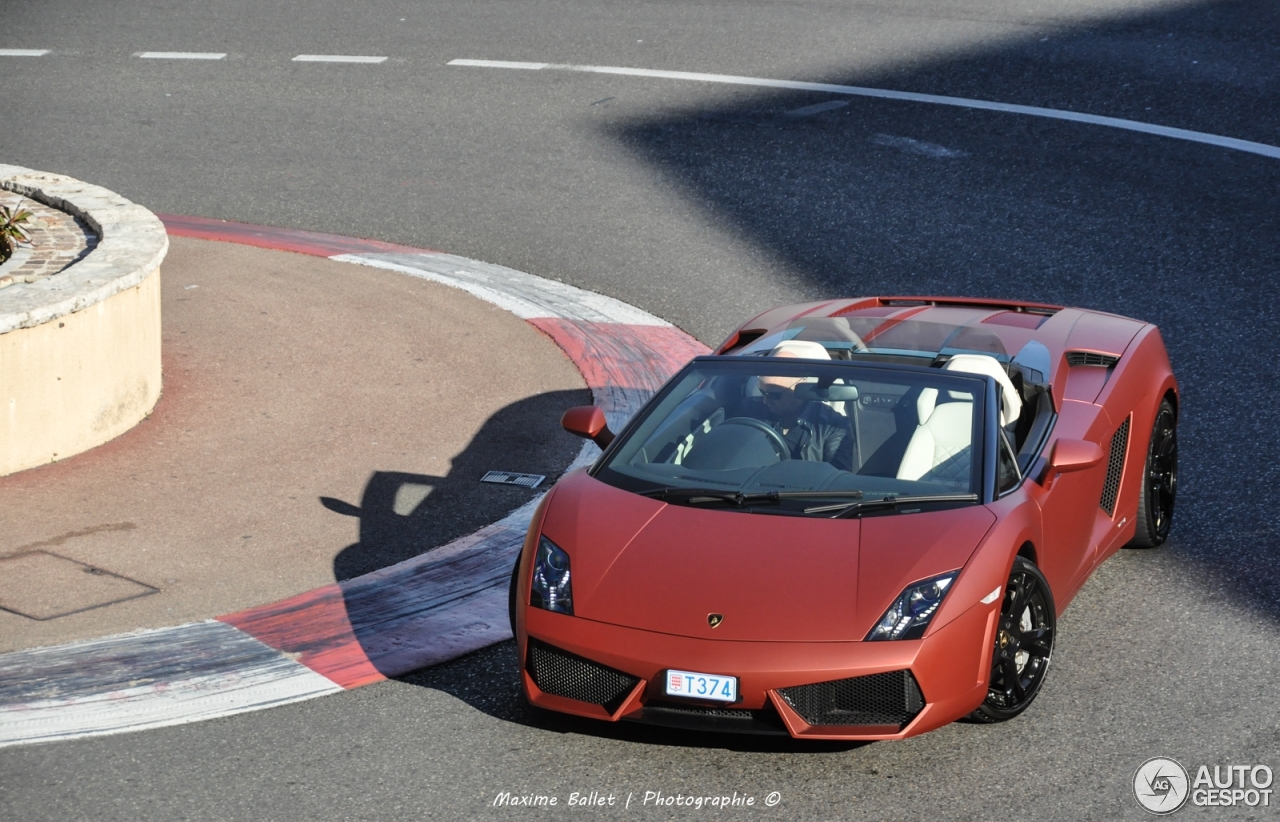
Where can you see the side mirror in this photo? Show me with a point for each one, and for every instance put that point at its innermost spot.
(1071, 455)
(588, 421)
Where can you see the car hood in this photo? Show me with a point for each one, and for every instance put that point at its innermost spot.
(644, 564)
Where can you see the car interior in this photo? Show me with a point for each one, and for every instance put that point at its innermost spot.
(917, 436)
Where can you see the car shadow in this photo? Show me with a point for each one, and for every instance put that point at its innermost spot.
(403, 515)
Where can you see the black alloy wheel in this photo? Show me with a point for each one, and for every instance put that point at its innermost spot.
(1160, 482)
(1024, 643)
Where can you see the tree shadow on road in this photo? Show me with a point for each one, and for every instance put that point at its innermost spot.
(851, 196)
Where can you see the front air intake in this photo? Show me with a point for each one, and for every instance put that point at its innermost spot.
(1115, 468)
(1091, 358)
(891, 698)
(699, 718)
(561, 673)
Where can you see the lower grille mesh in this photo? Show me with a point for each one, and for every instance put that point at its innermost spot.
(1115, 467)
(891, 698)
(696, 710)
(561, 673)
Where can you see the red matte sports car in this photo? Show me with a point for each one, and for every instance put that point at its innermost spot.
(857, 519)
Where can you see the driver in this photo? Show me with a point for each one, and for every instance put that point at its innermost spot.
(811, 430)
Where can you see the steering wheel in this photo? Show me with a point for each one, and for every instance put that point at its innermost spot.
(775, 439)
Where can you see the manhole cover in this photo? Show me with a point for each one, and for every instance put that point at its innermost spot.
(40, 585)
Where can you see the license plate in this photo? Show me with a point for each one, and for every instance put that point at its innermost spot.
(702, 686)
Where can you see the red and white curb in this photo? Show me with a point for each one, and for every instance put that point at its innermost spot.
(424, 611)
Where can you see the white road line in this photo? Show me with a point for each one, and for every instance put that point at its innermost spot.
(905, 96)
(23, 52)
(181, 55)
(506, 64)
(337, 58)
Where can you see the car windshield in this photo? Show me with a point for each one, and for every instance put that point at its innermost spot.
(787, 435)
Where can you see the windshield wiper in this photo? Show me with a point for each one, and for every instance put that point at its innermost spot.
(888, 501)
(695, 496)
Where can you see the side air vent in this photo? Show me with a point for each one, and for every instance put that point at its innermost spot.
(561, 673)
(1091, 358)
(891, 698)
(1115, 467)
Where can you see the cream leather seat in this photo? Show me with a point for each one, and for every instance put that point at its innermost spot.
(1010, 402)
(941, 450)
(800, 349)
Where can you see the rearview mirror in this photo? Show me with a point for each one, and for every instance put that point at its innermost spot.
(588, 421)
(832, 393)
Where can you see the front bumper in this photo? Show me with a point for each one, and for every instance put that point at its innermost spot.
(898, 689)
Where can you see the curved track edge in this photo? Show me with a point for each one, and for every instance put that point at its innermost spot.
(438, 606)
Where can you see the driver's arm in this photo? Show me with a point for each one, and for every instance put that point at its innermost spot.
(837, 441)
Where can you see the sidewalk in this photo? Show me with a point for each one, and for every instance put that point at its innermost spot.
(296, 391)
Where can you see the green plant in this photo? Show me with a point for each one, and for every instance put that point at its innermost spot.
(12, 232)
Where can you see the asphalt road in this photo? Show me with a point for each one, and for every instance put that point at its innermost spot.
(703, 204)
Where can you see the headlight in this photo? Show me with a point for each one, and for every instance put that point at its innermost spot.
(551, 590)
(910, 613)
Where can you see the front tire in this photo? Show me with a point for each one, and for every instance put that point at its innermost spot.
(1159, 481)
(1023, 646)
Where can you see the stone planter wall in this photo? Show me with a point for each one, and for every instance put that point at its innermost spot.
(80, 348)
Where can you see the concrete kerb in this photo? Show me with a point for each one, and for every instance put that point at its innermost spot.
(72, 385)
(426, 610)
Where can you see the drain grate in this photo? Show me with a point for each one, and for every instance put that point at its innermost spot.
(512, 478)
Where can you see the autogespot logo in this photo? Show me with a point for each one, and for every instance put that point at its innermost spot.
(1163, 786)
(1160, 785)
